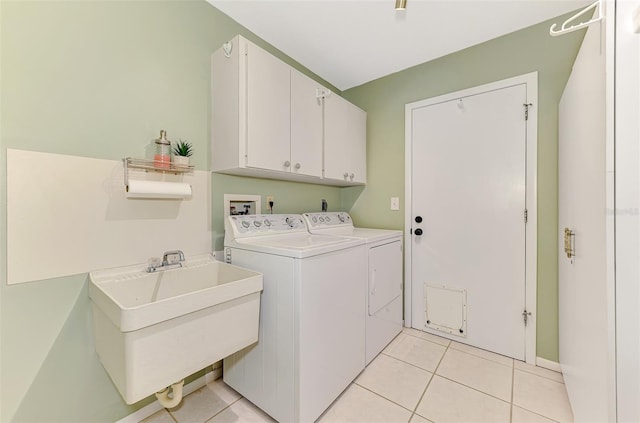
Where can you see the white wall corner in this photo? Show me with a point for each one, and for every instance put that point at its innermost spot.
(548, 364)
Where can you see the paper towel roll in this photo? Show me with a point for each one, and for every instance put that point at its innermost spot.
(157, 189)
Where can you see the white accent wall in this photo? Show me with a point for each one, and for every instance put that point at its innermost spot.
(68, 215)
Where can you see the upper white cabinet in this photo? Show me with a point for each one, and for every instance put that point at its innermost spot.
(268, 110)
(345, 141)
(269, 120)
(306, 125)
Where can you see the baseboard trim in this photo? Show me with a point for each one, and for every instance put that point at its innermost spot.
(150, 409)
(548, 364)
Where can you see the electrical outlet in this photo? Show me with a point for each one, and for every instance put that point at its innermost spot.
(395, 203)
(269, 198)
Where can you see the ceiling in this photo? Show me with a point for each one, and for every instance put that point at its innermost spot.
(351, 42)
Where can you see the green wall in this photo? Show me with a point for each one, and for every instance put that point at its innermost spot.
(528, 50)
(100, 79)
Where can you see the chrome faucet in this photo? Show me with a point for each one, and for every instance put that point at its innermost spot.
(169, 261)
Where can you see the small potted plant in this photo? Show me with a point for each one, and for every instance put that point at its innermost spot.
(181, 153)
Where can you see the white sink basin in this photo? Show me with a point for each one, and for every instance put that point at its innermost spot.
(154, 329)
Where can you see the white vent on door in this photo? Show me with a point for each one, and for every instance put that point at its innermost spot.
(446, 310)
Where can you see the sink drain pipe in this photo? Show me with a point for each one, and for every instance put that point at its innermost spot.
(163, 396)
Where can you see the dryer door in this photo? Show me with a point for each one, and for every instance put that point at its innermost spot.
(385, 275)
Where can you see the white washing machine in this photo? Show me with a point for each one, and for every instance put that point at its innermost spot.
(384, 269)
(312, 327)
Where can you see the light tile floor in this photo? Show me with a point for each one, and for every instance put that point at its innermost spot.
(418, 378)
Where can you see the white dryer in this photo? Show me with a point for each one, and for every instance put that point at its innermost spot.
(312, 328)
(384, 269)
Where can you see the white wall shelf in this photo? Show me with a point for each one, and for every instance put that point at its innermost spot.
(151, 165)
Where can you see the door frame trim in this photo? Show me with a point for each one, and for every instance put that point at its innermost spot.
(531, 203)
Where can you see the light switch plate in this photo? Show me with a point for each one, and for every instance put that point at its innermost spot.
(395, 203)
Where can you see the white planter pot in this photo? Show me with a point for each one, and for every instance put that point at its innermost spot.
(180, 160)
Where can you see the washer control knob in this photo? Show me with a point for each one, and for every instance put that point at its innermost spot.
(328, 219)
(267, 222)
(257, 223)
(341, 217)
(291, 222)
(245, 224)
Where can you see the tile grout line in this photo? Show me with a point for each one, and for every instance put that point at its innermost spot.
(467, 352)
(381, 396)
(410, 364)
(446, 378)
(228, 405)
(171, 415)
(522, 407)
(484, 358)
(473, 389)
(413, 413)
(542, 376)
(513, 388)
(537, 414)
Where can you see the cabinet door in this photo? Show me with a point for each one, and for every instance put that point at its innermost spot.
(344, 141)
(306, 126)
(268, 111)
(357, 144)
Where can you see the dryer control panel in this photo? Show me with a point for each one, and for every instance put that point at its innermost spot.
(328, 220)
(250, 225)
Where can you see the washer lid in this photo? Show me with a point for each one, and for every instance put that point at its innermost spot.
(298, 245)
(340, 223)
(373, 235)
(369, 235)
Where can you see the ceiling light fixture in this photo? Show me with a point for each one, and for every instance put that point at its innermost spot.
(401, 4)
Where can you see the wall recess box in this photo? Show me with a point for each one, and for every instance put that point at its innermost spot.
(241, 204)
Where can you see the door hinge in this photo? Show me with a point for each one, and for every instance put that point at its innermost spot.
(525, 316)
(526, 215)
(526, 110)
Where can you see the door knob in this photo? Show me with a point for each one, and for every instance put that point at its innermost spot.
(418, 232)
(418, 219)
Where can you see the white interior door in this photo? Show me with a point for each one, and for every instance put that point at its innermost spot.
(627, 203)
(583, 316)
(468, 200)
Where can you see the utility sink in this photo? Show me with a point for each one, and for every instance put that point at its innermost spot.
(155, 329)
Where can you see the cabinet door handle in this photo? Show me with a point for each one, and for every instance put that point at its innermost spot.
(297, 166)
(287, 163)
(346, 175)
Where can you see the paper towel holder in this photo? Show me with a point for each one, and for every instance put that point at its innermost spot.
(150, 165)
